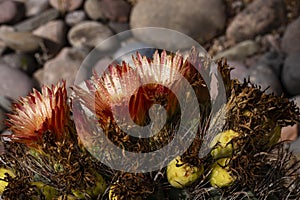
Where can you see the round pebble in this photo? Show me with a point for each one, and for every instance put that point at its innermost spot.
(273, 59)
(264, 76)
(93, 9)
(65, 5)
(13, 82)
(37, 20)
(239, 72)
(116, 10)
(291, 74)
(89, 34)
(289, 133)
(9, 11)
(34, 7)
(199, 19)
(258, 17)
(63, 67)
(21, 41)
(291, 38)
(54, 31)
(21, 61)
(240, 51)
(75, 17)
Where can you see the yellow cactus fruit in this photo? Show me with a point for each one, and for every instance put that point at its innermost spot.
(98, 188)
(181, 174)
(221, 144)
(221, 174)
(3, 172)
(48, 191)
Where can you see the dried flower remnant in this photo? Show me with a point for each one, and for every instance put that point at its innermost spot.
(38, 113)
(196, 70)
(130, 186)
(271, 174)
(258, 117)
(20, 187)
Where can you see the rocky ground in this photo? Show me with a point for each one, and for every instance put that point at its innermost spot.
(44, 41)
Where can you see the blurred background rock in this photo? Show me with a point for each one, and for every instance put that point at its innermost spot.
(44, 41)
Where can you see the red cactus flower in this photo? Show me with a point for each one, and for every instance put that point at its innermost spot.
(38, 113)
(159, 78)
(111, 92)
(137, 88)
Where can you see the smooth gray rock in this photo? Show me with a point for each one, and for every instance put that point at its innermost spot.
(34, 7)
(264, 76)
(240, 71)
(295, 147)
(118, 27)
(2, 47)
(8, 11)
(21, 61)
(20, 41)
(102, 64)
(240, 51)
(63, 67)
(13, 82)
(259, 17)
(36, 21)
(199, 19)
(2, 118)
(6, 103)
(93, 9)
(291, 74)
(297, 100)
(273, 59)
(75, 17)
(116, 10)
(54, 31)
(89, 34)
(289, 133)
(65, 5)
(4, 28)
(129, 49)
(291, 38)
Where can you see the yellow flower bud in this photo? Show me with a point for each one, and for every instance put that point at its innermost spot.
(181, 174)
(221, 174)
(221, 144)
(3, 183)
